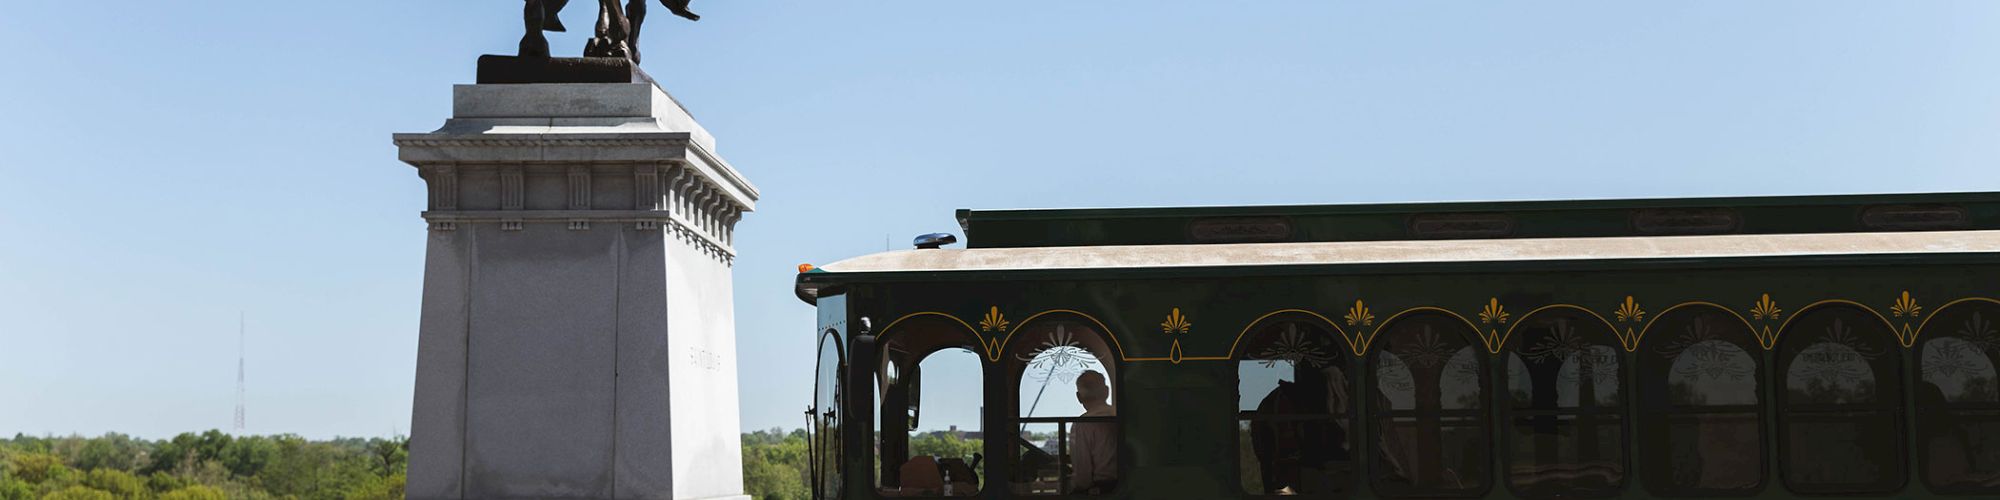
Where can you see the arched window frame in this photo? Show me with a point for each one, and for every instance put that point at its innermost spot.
(939, 332)
(1376, 413)
(1015, 354)
(1595, 333)
(1659, 350)
(827, 445)
(1339, 350)
(1977, 322)
(1790, 344)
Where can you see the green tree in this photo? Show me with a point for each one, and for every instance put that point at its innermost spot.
(391, 456)
(188, 450)
(78, 492)
(767, 480)
(37, 468)
(110, 451)
(161, 482)
(775, 465)
(945, 446)
(385, 488)
(247, 456)
(116, 482)
(311, 470)
(29, 444)
(195, 492)
(15, 489)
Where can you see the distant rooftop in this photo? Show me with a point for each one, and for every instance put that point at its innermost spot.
(1481, 220)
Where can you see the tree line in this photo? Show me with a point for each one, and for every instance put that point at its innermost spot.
(206, 466)
(213, 465)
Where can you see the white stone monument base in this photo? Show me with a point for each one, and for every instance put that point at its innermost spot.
(578, 332)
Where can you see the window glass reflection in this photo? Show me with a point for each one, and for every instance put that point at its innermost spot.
(1698, 380)
(826, 418)
(1842, 403)
(1430, 430)
(1958, 400)
(1292, 420)
(1564, 379)
(1711, 373)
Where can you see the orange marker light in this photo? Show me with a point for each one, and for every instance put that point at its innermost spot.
(806, 268)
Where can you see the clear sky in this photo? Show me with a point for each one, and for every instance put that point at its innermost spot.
(167, 165)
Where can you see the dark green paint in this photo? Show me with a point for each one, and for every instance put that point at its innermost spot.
(1381, 222)
(1179, 436)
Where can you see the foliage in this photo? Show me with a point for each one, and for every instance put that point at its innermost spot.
(206, 466)
(15, 490)
(36, 468)
(116, 482)
(945, 445)
(774, 465)
(195, 492)
(213, 465)
(79, 492)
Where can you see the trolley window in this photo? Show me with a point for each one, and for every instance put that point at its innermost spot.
(1958, 399)
(1067, 434)
(1566, 418)
(1700, 400)
(929, 384)
(1841, 394)
(1292, 420)
(1428, 406)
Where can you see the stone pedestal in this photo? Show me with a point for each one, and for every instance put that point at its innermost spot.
(578, 336)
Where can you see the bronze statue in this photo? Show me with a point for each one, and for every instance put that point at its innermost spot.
(617, 28)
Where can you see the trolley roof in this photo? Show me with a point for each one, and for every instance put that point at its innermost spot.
(1445, 237)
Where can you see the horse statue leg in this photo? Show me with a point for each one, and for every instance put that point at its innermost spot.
(612, 29)
(635, 12)
(533, 44)
(539, 16)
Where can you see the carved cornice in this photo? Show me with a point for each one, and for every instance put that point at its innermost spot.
(643, 220)
(599, 178)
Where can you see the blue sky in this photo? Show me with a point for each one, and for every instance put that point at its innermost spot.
(165, 165)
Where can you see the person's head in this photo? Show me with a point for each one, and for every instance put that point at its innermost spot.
(1091, 389)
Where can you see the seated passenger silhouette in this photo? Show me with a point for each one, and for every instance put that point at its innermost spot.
(1296, 456)
(1094, 445)
(921, 477)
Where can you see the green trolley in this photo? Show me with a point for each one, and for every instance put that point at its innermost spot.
(1770, 347)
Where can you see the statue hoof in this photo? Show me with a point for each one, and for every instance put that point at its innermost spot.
(606, 47)
(535, 47)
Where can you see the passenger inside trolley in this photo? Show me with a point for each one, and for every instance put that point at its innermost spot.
(1065, 455)
(1094, 444)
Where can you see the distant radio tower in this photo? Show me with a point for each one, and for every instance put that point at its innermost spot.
(240, 334)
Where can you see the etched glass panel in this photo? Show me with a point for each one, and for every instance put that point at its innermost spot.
(1565, 380)
(1066, 393)
(1700, 402)
(1430, 428)
(1292, 412)
(1841, 430)
(1958, 400)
